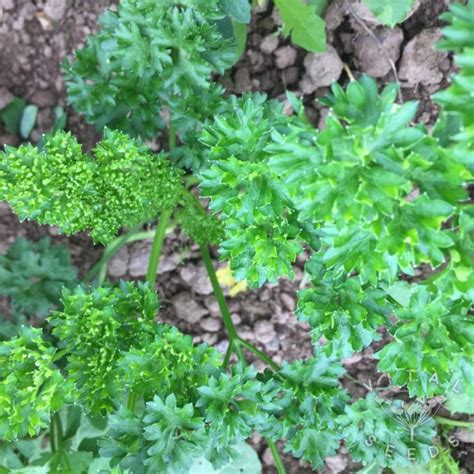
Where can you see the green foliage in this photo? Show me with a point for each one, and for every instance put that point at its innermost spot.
(11, 114)
(124, 184)
(275, 179)
(95, 327)
(390, 12)
(261, 239)
(458, 38)
(143, 57)
(28, 120)
(201, 226)
(169, 364)
(431, 338)
(239, 10)
(379, 204)
(300, 20)
(30, 385)
(386, 432)
(33, 275)
(341, 310)
(310, 398)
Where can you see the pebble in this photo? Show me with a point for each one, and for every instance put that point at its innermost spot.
(5, 97)
(267, 457)
(8, 4)
(322, 69)
(56, 9)
(187, 308)
(264, 331)
(43, 98)
(288, 301)
(369, 55)
(209, 339)
(197, 278)
(139, 260)
(285, 57)
(210, 324)
(243, 83)
(222, 346)
(236, 319)
(420, 61)
(118, 264)
(269, 44)
(336, 463)
(290, 75)
(212, 305)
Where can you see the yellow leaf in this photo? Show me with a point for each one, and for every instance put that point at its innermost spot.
(225, 278)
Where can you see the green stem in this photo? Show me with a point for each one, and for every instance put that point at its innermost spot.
(228, 354)
(157, 246)
(171, 137)
(132, 400)
(228, 323)
(114, 247)
(66, 461)
(261, 355)
(280, 467)
(447, 421)
(52, 434)
(59, 431)
(235, 342)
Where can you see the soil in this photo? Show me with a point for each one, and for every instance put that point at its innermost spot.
(35, 36)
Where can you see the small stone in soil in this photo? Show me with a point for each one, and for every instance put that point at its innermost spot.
(56, 9)
(118, 264)
(336, 463)
(210, 324)
(264, 331)
(187, 308)
(288, 301)
(243, 83)
(5, 97)
(370, 57)
(269, 44)
(322, 69)
(421, 60)
(197, 278)
(285, 57)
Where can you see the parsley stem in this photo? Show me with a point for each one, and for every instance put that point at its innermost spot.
(219, 295)
(171, 137)
(132, 400)
(228, 354)
(52, 434)
(59, 430)
(235, 341)
(157, 246)
(113, 248)
(448, 421)
(261, 355)
(280, 467)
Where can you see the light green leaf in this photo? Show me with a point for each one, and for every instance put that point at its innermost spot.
(303, 24)
(237, 9)
(460, 403)
(374, 468)
(400, 292)
(12, 113)
(28, 120)
(240, 36)
(389, 12)
(320, 5)
(246, 461)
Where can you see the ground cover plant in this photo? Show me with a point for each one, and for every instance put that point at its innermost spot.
(372, 197)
